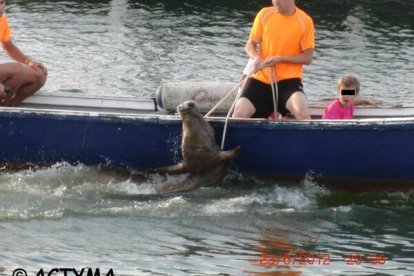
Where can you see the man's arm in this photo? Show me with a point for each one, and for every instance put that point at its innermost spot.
(305, 57)
(17, 55)
(251, 50)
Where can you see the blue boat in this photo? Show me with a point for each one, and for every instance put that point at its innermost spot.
(376, 147)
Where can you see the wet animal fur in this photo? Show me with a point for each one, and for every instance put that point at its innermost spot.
(202, 157)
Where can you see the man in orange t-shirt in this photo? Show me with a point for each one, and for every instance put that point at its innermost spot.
(18, 80)
(286, 37)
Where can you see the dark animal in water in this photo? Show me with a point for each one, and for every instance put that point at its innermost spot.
(205, 162)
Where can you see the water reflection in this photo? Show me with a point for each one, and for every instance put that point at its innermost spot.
(277, 256)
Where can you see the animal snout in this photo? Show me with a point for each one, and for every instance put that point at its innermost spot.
(186, 106)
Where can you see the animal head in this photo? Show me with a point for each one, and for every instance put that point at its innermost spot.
(188, 107)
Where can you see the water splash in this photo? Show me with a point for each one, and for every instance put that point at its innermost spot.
(65, 190)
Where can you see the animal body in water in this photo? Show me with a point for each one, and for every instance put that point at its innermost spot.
(205, 162)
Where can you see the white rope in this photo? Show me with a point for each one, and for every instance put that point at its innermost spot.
(224, 98)
(243, 82)
(275, 92)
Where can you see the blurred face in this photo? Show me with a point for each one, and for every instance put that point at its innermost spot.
(2, 6)
(284, 6)
(347, 94)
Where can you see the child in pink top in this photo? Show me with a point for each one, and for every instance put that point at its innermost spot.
(343, 106)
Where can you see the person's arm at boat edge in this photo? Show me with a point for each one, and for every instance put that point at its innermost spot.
(367, 102)
(17, 55)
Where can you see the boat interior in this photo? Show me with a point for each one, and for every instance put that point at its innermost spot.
(132, 105)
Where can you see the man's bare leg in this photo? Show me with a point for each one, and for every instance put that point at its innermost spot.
(23, 81)
(244, 108)
(298, 106)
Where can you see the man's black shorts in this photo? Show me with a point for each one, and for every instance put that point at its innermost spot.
(260, 94)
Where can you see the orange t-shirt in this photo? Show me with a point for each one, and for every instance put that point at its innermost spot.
(281, 35)
(5, 31)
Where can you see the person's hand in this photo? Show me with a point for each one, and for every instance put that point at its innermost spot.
(38, 66)
(270, 61)
(375, 103)
(258, 64)
(2, 93)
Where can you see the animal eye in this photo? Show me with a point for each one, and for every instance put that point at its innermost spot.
(191, 104)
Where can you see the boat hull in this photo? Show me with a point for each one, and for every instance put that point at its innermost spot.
(377, 150)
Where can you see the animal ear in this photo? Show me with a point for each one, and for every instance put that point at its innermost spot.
(229, 155)
(175, 169)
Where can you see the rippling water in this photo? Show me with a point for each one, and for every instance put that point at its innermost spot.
(79, 217)
(131, 47)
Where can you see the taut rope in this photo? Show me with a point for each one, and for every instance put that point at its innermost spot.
(242, 83)
(275, 91)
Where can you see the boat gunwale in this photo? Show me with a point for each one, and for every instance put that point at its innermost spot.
(20, 112)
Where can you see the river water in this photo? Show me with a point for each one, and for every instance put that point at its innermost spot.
(81, 217)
